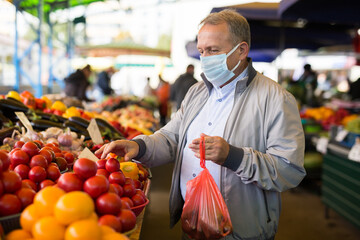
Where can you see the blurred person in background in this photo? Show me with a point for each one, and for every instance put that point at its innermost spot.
(148, 90)
(163, 94)
(77, 83)
(182, 84)
(103, 84)
(354, 90)
(254, 140)
(308, 81)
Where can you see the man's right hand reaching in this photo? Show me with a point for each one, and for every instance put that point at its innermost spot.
(124, 148)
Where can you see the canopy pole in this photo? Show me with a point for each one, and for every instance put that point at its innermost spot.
(39, 90)
(16, 58)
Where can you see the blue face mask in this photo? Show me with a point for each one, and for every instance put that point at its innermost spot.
(216, 69)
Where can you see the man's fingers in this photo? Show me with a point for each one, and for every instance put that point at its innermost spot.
(100, 150)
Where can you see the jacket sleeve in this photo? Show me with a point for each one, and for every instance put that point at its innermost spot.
(160, 147)
(282, 165)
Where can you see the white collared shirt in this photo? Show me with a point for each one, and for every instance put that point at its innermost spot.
(210, 120)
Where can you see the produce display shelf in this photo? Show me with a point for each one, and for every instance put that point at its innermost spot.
(135, 235)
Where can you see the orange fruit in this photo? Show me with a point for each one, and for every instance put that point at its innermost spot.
(46, 199)
(105, 230)
(48, 228)
(115, 236)
(86, 229)
(18, 234)
(74, 206)
(28, 217)
(94, 216)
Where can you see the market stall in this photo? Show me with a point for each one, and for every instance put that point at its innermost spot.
(51, 175)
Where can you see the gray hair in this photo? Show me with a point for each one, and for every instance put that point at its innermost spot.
(238, 25)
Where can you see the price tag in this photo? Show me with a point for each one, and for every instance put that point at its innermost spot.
(354, 153)
(25, 121)
(341, 135)
(86, 153)
(321, 145)
(94, 132)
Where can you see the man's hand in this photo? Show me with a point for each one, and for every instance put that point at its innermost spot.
(216, 148)
(123, 148)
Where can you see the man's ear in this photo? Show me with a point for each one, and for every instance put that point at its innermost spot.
(244, 50)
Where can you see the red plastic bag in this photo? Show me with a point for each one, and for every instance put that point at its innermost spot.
(205, 214)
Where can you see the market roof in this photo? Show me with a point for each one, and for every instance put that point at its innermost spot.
(31, 6)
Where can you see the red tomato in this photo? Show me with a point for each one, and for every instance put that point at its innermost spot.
(85, 168)
(101, 163)
(26, 196)
(39, 143)
(38, 160)
(117, 177)
(129, 190)
(59, 154)
(127, 219)
(125, 205)
(1, 188)
(51, 152)
(129, 181)
(30, 148)
(108, 203)
(53, 172)
(138, 191)
(61, 162)
(46, 153)
(45, 183)
(9, 204)
(12, 151)
(70, 182)
(102, 172)
(11, 181)
(19, 157)
(111, 221)
(96, 186)
(29, 184)
(22, 170)
(117, 189)
(138, 184)
(18, 144)
(1, 166)
(127, 200)
(37, 174)
(138, 199)
(112, 165)
(69, 157)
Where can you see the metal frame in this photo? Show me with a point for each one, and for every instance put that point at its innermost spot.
(19, 71)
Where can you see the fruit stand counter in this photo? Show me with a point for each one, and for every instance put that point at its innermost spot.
(341, 184)
(135, 234)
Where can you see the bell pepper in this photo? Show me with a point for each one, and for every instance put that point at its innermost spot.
(14, 95)
(71, 112)
(130, 170)
(40, 103)
(48, 101)
(28, 99)
(58, 105)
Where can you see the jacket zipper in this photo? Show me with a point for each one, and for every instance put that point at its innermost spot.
(267, 208)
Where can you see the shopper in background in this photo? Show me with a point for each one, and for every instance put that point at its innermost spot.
(148, 90)
(180, 87)
(103, 84)
(163, 95)
(253, 134)
(308, 80)
(77, 83)
(354, 90)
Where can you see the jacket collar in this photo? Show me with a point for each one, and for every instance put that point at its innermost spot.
(241, 84)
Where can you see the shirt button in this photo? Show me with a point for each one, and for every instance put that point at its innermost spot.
(194, 175)
(209, 123)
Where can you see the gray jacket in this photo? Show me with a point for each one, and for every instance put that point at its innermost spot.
(266, 152)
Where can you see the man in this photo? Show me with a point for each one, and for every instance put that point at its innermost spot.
(102, 87)
(77, 83)
(253, 135)
(180, 87)
(308, 80)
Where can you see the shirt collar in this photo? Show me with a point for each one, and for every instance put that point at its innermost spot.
(221, 92)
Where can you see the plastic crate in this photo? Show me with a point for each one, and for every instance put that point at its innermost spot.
(10, 223)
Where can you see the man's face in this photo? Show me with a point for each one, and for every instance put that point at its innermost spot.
(215, 40)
